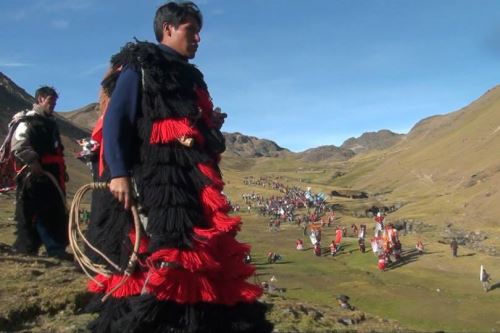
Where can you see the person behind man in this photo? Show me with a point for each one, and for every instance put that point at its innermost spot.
(420, 247)
(454, 247)
(40, 207)
(161, 134)
(485, 280)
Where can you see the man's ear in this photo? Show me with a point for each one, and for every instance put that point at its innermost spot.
(167, 29)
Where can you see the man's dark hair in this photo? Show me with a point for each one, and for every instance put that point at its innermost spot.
(45, 91)
(175, 13)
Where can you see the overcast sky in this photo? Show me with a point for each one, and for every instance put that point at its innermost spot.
(302, 73)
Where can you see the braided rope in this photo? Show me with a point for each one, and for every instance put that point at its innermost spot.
(75, 233)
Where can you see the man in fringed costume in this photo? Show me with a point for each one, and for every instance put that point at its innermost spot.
(40, 197)
(161, 135)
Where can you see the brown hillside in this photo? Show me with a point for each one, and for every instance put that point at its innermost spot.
(447, 168)
(12, 99)
(241, 145)
(382, 139)
(85, 116)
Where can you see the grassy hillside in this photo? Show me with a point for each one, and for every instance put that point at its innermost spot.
(446, 171)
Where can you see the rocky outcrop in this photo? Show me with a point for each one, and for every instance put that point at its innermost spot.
(12, 99)
(249, 146)
(469, 239)
(372, 141)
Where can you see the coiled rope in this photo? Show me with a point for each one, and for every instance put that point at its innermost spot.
(75, 234)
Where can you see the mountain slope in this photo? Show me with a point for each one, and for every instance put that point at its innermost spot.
(14, 99)
(85, 116)
(447, 166)
(323, 153)
(379, 140)
(241, 145)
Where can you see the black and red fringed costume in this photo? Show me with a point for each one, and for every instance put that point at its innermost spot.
(192, 276)
(38, 200)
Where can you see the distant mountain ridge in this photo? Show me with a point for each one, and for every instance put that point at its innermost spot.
(85, 116)
(250, 146)
(238, 144)
(12, 99)
(323, 153)
(80, 122)
(379, 140)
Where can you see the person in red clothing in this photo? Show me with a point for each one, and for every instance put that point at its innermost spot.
(420, 247)
(333, 248)
(317, 249)
(161, 148)
(382, 260)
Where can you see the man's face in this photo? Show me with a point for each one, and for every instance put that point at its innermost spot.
(48, 103)
(185, 38)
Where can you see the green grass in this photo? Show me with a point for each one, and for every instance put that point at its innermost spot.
(408, 294)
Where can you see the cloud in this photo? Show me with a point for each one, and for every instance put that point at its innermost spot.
(55, 6)
(59, 24)
(99, 69)
(43, 7)
(14, 64)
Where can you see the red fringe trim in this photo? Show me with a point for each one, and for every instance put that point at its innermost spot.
(213, 200)
(133, 285)
(206, 233)
(232, 292)
(169, 130)
(182, 286)
(225, 223)
(97, 136)
(199, 259)
(205, 103)
(209, 171)
(230, 254)
(201, 278)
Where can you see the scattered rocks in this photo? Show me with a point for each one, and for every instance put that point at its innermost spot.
(374, 209)
(470, 239)
(352, 194)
